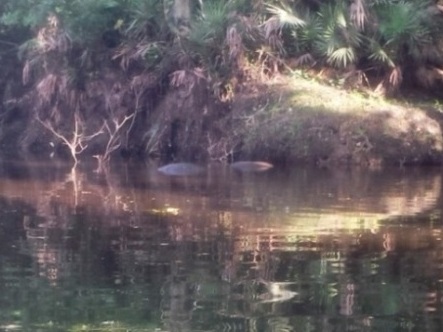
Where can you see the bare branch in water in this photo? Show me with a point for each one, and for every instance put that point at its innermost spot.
(77, 143)
(113, 127)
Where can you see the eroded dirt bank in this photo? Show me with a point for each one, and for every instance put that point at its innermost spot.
(285, 120)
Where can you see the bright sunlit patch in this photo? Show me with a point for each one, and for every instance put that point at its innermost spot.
(307, 223)
(169, 210)
(172, 210)
(11, 327)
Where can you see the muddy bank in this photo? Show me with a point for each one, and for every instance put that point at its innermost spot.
(293, 120)
(286, 120)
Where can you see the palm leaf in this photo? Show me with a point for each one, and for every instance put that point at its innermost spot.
(339, 39)
(286, 17)
(310, 34)
(402, 22)
(342, 57)
(145, 19)
(358, 14)
(211, 24)
(379, 54)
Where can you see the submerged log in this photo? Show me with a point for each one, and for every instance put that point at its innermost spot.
(181, 169)
(251, 166)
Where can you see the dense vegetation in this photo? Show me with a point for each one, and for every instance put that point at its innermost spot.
(106, 73)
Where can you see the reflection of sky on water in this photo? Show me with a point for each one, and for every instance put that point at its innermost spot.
(291, 250)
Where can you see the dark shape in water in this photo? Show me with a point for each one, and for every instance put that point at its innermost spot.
(181, 169)
(251, 166)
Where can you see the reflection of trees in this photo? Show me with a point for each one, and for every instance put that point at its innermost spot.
(392, 192)
(231, 254)
(356, 278)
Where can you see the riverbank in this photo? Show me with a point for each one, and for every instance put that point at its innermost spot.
(284, 120)
(184, 82)
(295, 119)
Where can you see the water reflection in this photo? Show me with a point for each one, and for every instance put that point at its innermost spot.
(286, 250)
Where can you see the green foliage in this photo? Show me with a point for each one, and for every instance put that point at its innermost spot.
(380, 55)
(340, 40)
(86, 20)
(286, 17)
(381, 34)
(28, 13)
(327, 33)
(210, 26)
(83, 20)
(208, 40)
(146, 20)
(403, 29)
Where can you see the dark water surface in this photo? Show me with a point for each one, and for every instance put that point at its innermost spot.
(286, 250)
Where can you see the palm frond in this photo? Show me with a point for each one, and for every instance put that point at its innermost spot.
(47, 87)
(404, 31)
(303, 60)
(286, 16)
(342, 57)
(145, 19)
(310, 33)
(234, 42)
(396, 77)
(338, 40)
(358, 14)
(379, 54)
(402, 22)
(212, 23)
(281, 18)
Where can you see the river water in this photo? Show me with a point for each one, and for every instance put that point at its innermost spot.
(298, 249)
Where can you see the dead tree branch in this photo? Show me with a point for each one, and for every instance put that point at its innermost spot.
(113, 128)
(77, 143)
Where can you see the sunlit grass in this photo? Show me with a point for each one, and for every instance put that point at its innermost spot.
(309, 93)
(307, 120)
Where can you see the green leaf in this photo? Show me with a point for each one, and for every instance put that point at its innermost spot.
(342, 57)
(378, 54)
(286, 16)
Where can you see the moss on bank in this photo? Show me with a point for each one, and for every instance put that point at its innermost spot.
(293, 119)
